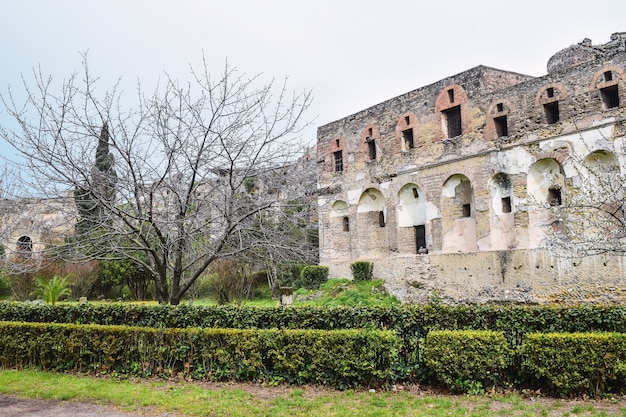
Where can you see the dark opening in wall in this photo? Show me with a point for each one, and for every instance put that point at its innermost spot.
(453, 121)
(608, 76)
(346, 224)
(550, 92)
(451, 95)
(502, 128)
(554, 196)
(338, 156)
(420, 239)
(24, 244)
(499, 107)
(381, 219)
(370, 132)
(467, 210)
(407, 120)
(552, 112)
(371, 148)
(506, 204)
(337, 142)
(610, 97)
(407, 137)
(415, 193)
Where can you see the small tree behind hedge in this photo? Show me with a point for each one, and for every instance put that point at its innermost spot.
(362, 270)
(312, 276)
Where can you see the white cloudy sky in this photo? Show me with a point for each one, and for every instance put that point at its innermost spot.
(351, 53)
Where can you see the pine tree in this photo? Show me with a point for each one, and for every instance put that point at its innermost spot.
(92, 200)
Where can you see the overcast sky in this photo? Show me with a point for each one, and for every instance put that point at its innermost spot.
(351, 54)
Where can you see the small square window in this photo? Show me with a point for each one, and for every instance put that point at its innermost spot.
(554, 196)
(608, 76)
(506, 204)
(550, 92)
(552, 112)
(502, 128)
(467, 210)
(610, 97)
(500, 107)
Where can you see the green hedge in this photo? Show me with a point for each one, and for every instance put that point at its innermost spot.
(468, 360)
(312, 276)
(575, 363)
(344, 359)
(362, 270)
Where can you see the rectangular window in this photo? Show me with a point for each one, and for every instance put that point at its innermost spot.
(467, 210)
(453, 121)
(506, 204)
(381, 219)
(371, 148)
(554, 196)
(502, 128)
(500, 107)
(338, 156)
(608, 76)
(552, 112)
(451, 95)
(407, 137)
(550, 92)
(610, 97)
(415, 193)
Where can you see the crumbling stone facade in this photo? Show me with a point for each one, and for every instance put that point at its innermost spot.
(445, 188)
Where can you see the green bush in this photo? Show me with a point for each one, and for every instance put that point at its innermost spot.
(312, 276)
(468, 360)
(344, 359)
(362, 270)
(575, 363)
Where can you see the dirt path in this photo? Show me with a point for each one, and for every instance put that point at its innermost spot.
(11, 406)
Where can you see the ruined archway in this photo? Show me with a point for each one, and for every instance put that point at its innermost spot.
(458, 215)
(371, 233)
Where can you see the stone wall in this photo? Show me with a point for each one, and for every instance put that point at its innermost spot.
(475, 167)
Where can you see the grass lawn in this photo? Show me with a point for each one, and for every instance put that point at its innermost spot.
(227, 399)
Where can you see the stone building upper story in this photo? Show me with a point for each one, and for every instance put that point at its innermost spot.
(478, 110)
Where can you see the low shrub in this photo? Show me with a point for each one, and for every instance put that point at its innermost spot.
(468, 361)
(362, 270)
(344, 358)
(575, 363)
(312, 276)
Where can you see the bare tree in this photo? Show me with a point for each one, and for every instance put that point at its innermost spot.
(182, 159)
(590, 217)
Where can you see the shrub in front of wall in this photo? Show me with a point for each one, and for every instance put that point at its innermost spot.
(312, 276)
(575, 363)
(468, 361)
(344, 358)
(362, 270)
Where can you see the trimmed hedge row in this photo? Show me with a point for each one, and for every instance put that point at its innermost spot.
(514, 321)
(463, 360)
(344, 359)
(562, 363)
